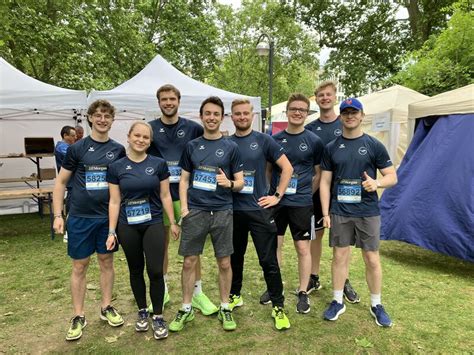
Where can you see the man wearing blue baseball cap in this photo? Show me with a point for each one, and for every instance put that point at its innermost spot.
(349, 203)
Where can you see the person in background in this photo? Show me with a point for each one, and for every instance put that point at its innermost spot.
(79, 132)
(68, 135)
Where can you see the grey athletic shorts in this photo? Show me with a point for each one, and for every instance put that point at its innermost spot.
(363, 232)
(198, 224)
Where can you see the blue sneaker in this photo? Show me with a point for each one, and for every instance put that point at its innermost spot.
(381, 317)
(334, 310)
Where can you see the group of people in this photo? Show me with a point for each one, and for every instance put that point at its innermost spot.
(183, 180)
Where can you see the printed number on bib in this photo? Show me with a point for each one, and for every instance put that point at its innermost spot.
(175, 171)
(138, 211)
(205, 178)
(249, 182)
(96, 177)
(349, 191)
(293, 185)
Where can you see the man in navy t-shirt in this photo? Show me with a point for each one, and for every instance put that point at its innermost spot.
(171, 133)
(303, 149)
(350, 208)
(211, 168)
(86, 165)
(327, 127)
(251, 208)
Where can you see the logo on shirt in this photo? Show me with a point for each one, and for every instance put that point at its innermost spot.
(254, 146)
(91, 149)
(110, 155)
(162, 130)
(128, 167)
(337, 132)
(284, 140)
(180, 133)
(319, 129)
(303, 147)
(362, 150)
(201, 147)
(219, 153)
(341, 146)
(149, 170)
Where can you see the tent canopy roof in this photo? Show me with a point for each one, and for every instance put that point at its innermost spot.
(19, 91)
(458, 101)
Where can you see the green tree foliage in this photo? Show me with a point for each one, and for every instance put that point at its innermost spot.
(446, 61)
(101, 43)
(241, 70)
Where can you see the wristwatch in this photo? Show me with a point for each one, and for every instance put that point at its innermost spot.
(277, 195)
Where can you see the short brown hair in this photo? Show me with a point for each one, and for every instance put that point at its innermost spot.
(296, 97)
(104, 105)
(168, 87)
(324, 85)
(241, 101)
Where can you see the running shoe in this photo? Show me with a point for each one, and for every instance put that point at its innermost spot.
(265, 298)
(160, 329)
(281, 320)
(334, 310)
(111, 316)
(349, 293)
(204, 304)
(75, 330)
(227, 319)
(313, 284)
(235, 301)
(382, 319)
(142, 321)
(181, 318)
(303, 303)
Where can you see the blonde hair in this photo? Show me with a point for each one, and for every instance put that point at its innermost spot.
(324, 85)
(146, 124)
(241, 101)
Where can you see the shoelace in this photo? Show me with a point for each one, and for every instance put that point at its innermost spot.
(180, 315)
(142, 315)
(110, 309)
(75, 321)
(227, 315)
(279, 313)
(159, 323)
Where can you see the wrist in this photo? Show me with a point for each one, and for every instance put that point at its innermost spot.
(231, 184)
(378, 183)
(59, 215)
(112, 232)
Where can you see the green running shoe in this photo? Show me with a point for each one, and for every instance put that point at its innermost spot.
(227, 319)
(75, 330)
(281, 320)
(235, 301)
(166, 300)
(111, 316)
(204, 304)
(181, 318)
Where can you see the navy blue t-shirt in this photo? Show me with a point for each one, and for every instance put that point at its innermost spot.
(326, 131)
(348, 159)
(169, 142)
(304, 151)
(202, 158)
(256, 149)
(139, 188)
(89, 160)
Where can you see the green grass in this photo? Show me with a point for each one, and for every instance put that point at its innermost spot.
(429, 296)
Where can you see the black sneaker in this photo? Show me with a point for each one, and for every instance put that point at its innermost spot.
(313, 284)
(350, 294)
(303, 303)
(265, 298)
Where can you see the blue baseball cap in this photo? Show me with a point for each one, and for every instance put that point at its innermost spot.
(351, 102)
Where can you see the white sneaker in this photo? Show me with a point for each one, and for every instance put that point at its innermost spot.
(65, 238)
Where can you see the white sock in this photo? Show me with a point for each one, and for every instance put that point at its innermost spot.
(338, 295)
(165, 278)
(187, 307)
(197, 288)
(224, 305)
(375, 299)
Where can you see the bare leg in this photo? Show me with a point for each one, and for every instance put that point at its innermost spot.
(339, 267)
(316, 251)
(187, 277)
(225, 277)
(107, 274)
(304, 262)
(373, 271)
(281, 240)
(78, 284)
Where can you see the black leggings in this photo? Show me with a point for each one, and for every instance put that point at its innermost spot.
(145, 243)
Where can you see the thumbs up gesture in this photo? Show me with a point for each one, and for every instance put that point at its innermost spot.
(222, 179)
(369, 184)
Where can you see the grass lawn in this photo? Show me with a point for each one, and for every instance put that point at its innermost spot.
(429, 296)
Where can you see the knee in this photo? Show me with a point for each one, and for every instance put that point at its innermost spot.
(340, 255)
(155, 274)
(372, 260)
(303, 249)
(106, 262)
(224, 264)
(189, 262)
(79, 268)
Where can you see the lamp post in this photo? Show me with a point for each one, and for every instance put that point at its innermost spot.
(266, 48)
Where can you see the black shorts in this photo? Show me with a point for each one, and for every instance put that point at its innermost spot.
(298, 218)
(317, 211)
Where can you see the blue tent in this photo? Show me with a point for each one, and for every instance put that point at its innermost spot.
(432, 205)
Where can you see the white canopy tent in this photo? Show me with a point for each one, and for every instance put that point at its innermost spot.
(30, 108)
(136, 98)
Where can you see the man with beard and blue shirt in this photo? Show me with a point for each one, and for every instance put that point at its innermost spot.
(171, 133)
(211, 171)
(350, 208)
(327, 127)
(303, 149)
(86, 163)
(251, 209)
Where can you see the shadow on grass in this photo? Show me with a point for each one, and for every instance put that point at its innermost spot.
(421, 258)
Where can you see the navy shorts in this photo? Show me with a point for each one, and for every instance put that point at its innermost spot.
(86, 236)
